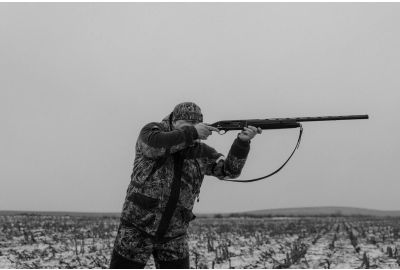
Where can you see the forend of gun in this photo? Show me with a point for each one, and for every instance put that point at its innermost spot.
(279, 123)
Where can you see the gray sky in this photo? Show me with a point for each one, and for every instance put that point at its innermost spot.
(79, 80)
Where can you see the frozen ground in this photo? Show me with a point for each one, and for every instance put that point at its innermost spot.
(33, 241)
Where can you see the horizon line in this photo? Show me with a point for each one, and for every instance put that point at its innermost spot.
(200, 213)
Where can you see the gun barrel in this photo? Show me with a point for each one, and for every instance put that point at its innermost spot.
(323, 118)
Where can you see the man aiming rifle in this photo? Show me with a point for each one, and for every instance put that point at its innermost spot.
(170, 163)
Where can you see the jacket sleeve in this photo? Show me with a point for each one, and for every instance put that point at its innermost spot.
(231, 166)
(153, 141)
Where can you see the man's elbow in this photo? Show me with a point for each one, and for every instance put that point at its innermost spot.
(234, 176)
(230, 176)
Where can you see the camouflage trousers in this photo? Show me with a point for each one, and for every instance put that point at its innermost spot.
(137, 246)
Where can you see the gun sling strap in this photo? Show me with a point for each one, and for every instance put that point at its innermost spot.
(277, 170)
(174, 193)
(173, 197)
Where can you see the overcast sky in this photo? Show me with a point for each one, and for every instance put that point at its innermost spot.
(79, 80)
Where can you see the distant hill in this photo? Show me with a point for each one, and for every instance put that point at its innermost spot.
(316, 211)
(281, 212)
(54, 213)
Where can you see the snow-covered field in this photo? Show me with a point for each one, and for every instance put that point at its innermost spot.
(39, 241)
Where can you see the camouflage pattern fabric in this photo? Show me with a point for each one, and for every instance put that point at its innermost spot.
(136, 246)
(149, 189)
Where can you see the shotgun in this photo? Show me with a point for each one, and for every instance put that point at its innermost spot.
(277, 123)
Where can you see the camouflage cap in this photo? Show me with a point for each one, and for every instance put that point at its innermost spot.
(187, 111)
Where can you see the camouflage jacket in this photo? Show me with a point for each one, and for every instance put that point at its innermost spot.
(149, 190)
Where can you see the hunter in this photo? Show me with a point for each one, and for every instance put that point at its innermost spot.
(168, 171)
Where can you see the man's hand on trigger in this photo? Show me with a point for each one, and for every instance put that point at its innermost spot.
(204, 130)
(249, 133)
